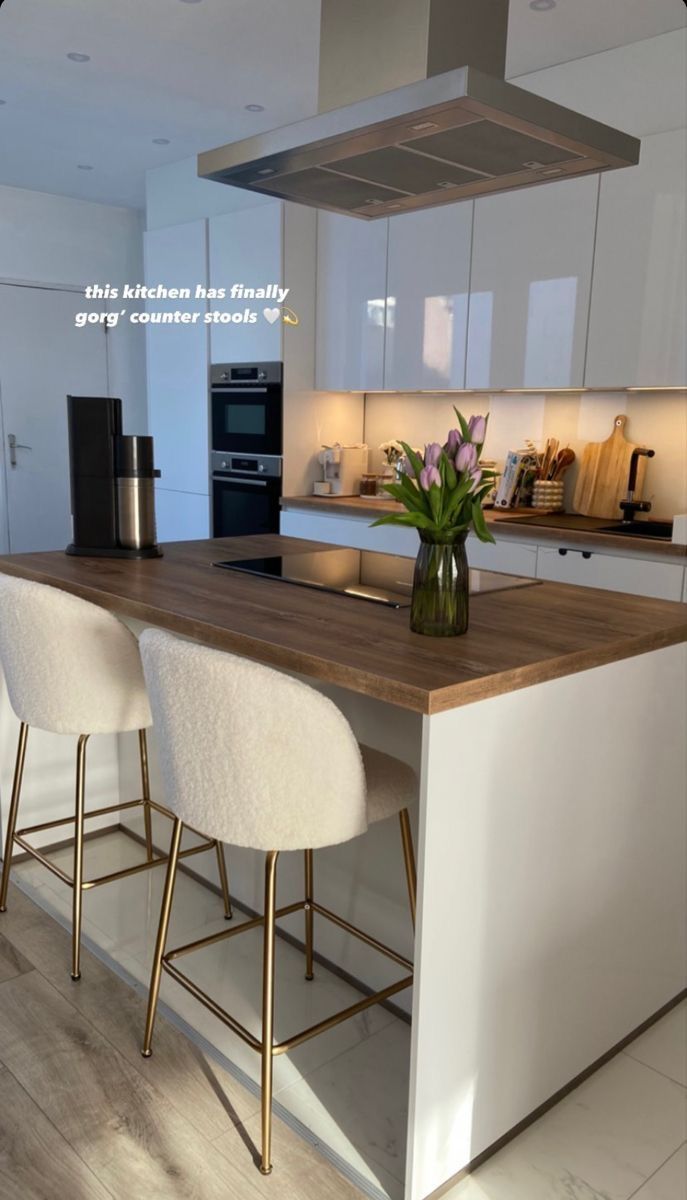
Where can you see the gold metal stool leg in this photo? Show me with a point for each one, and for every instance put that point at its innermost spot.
(145, 792)
(409, 859)
(162, 931)
(268, 1010)
(14, 809)
(309, 915)
(77, 894)
(224, 880)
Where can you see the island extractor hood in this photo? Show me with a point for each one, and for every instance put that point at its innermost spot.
(450, 132)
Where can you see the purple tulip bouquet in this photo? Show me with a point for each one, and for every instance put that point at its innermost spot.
(442, 492)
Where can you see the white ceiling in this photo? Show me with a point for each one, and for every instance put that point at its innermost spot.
(185, 70)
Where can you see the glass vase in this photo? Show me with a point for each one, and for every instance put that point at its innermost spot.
(440, 602)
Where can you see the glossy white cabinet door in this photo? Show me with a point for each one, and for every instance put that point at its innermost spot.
(639, 313)
(529, 294)
(177, 358)
(427, 298)
(246, 248)
(351, 303)
(640, 577)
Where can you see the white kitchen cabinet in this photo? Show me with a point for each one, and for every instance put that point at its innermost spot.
(588, 568)
(351, 303)
(177, 358)
(349, 531)
(529, 294)
(513, 558)
(639, 295)
(246, 248)
(427, 298)
(181, 516)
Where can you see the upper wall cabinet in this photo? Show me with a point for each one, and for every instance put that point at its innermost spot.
(246, 248)
(427, 298)
(638, 317)
(351, 303)
(529, 294)
(177, 359)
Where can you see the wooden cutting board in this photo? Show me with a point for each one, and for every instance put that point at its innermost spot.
(604, 470)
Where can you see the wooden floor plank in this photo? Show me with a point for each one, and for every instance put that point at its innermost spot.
(12, 961)
(206, 1095)
(130, 1136)
(36, 1163)
(300, 1171)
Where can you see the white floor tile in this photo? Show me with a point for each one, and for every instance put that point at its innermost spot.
(334, 1102)
(664, 1046)
(669, 1182)
(601, 1143)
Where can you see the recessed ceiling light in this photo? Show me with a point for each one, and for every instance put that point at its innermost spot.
(161, 141)
(84, 166)
(74, 57)
(542, 5)
(254, 107)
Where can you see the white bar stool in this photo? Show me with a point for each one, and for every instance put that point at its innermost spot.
(73, 668)
(261, 760)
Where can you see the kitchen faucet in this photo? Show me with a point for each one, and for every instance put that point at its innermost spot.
(629, 505)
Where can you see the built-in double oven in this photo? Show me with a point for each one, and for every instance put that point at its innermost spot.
(246, 414)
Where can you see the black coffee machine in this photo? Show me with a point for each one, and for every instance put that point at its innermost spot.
(112, 483)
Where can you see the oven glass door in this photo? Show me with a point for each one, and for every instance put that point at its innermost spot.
(245, 506)
(247, 420)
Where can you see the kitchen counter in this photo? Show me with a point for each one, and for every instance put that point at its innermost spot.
(516, 638)
(568, 527)
(549, 748)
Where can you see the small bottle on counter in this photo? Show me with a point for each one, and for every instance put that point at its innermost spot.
(368, 485)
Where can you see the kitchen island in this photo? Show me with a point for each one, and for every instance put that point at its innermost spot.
(549, 743)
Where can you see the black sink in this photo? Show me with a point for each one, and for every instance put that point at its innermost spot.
(658, 530)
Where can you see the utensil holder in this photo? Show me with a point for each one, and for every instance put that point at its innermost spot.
(548, 493)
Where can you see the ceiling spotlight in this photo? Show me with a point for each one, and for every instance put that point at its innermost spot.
(74, 57)
(162, 141)
(84, 166)
(254, 107)
(542, 5)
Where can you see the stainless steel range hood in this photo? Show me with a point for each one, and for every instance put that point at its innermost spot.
(450, 135)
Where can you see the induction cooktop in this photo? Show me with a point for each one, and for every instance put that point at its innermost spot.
(361, 574)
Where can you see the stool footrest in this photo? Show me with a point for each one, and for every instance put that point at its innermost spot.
(21, 835)
(322, 1026)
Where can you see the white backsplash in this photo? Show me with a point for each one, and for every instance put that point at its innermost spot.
(655, 419)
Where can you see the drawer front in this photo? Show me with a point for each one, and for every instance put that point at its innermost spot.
(513, 558)
(588, 568)
(349, 531)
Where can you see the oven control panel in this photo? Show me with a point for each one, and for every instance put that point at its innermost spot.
(225, 463)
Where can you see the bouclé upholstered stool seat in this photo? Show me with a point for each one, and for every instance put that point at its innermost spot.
(73, 668)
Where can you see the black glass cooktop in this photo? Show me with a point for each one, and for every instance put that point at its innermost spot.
(360, 574)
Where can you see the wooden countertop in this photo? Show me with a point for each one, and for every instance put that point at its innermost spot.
(516, 638)
(565, 527)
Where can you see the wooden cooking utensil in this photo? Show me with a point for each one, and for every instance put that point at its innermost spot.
(604, 470)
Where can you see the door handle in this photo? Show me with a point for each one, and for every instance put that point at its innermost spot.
(14, 445)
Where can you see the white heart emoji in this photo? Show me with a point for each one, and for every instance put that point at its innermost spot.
(271, 314)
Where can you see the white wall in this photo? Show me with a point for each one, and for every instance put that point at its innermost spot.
(54, 239)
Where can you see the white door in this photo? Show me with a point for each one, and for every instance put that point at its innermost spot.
(43, 358)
